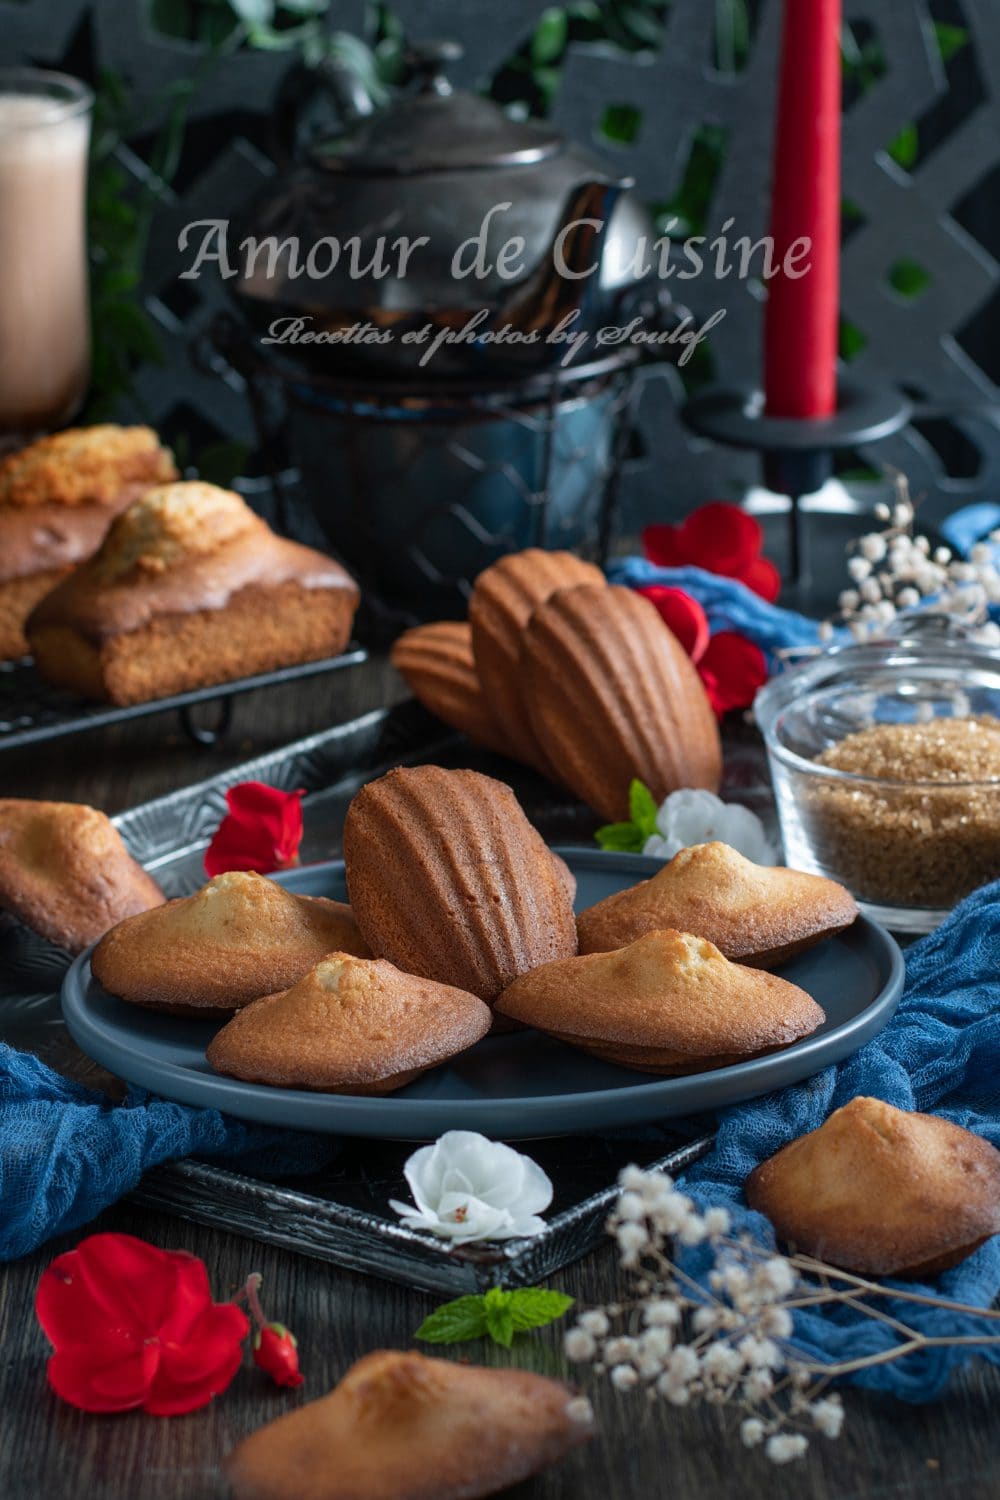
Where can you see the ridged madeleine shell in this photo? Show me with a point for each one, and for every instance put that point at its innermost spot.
(612, 695)
(449, 880)
(436, 663)
(505, 596)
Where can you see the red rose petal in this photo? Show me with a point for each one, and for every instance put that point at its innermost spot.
(763, 578)
(684, 616)
(115, 1376)
(108, 1280)
(190, 1297)
(262, 830)
(721, 538)
(732, 670)
(661, 545)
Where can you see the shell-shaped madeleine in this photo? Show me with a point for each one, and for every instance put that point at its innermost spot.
(760, 915)
(400, 1426)
(668, 1003)
(882, 1191)
(437, 665)
(505, 596)
(612, 695)
(350, 1026)
(448, 879)
(239, 937)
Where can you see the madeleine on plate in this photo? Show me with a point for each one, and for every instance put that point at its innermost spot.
(241, 936)
(668, 1003)
(757, 914)
(350, 1026)
(404, 1427)
(882, 1191)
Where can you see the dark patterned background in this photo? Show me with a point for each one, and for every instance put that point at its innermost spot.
(922, 232)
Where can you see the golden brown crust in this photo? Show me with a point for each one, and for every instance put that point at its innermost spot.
(760, 915)
(436, 663)
(65, 872)
(84, 466)
(668, 1003)
(350, 1026)
(448, 879)
(882, 1191)
(504, 598)
(189, 589)
(404, 1427)
(18, 597)
(612, 695)
(241, 936)
(259, 630)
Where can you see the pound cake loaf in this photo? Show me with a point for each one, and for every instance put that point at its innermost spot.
(668, 1003)
(448, 879)
(882, 1191)
(612, 695)
(241, 936)
(351, 1026)
(57, 499)
(760, 915)
(65, 872)
(189, 588)
(504, 598)
(400, 1426)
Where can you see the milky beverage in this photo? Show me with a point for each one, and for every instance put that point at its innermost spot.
(44, 320)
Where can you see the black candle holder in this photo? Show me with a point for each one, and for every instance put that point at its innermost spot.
(797, 453)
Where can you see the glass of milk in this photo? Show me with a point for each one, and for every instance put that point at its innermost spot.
(44, 312)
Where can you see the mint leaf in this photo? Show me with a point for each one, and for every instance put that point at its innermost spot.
(454, 1322)
(500, 1323)
(642, 808)
(621, 837)
(535, 1306)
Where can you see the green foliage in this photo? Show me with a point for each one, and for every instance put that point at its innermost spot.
(908, 278)
(630, 837)
(497, 1315)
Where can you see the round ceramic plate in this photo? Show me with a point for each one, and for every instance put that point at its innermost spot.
(512, 1086)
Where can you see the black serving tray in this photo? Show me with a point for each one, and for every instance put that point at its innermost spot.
(31, 710)
(341, 1214)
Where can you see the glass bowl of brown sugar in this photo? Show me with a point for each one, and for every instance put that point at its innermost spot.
(885, 761)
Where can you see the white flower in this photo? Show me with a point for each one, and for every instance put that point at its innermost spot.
(828, 1415)
(751, 1432)
(595, 1322)
(784, 1446)
(579, 1345)
(466, 1187)
(579, 1409)
(624, 1377)
(717, 1222)
(691, 816)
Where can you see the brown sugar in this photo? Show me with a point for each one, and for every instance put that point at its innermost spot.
(922, 828)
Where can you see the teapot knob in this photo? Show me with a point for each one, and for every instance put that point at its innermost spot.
(429, 61)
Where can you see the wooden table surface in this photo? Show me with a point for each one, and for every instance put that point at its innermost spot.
(50, 1452)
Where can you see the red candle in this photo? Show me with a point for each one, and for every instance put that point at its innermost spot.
(800, 328)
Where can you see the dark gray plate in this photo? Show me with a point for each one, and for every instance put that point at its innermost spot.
(511, 1087)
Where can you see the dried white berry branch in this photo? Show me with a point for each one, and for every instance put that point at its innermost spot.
(731, 1343)
(894, 570)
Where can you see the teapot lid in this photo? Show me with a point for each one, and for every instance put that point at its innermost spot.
(437, 129)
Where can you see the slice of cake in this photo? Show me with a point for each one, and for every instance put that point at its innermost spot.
(188, 589)
(57, 499)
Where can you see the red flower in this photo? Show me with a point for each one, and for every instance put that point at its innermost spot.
(134, 1326)
(731, 667)
(275, 1350)
(721, 539)
(262, 830)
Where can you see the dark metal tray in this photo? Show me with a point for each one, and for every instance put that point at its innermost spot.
(341, 1214)
(31, 710)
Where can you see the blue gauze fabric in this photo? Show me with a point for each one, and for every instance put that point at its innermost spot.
(66, 1152)
(941, 1054)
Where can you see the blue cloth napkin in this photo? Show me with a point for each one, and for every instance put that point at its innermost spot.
(940, 1054)
(729, 604)
(66, 1152)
